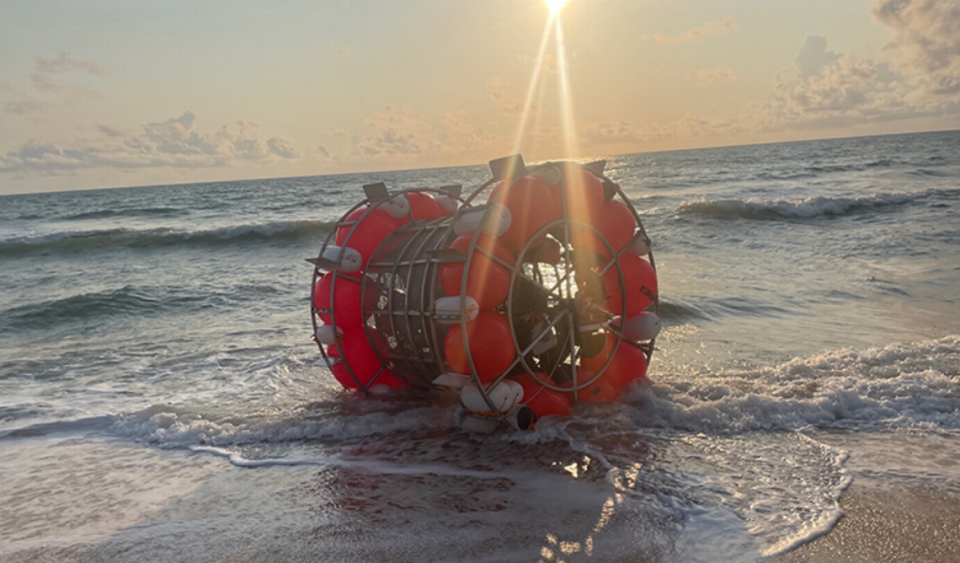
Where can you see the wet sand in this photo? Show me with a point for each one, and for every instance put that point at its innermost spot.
(888, 525)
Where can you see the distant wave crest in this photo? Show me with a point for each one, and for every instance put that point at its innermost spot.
(126, 301)
(762, 209)
(78, 241)
(135, 212)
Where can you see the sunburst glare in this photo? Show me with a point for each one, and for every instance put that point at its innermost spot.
(555, 29)
(555, 5)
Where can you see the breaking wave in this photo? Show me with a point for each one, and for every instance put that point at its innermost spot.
(808, 208)
(79, 241)
(900, 386)
(126, 301)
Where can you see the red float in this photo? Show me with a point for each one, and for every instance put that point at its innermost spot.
(528, 201)
(640, 286)
(487, 282)
(596, 362)
(603, 389)
(617, 226)
(629, 363)
(584, 193)
(491, 346)
(367, 235)
(364, 363)
(346, 300)
(541, 400)
(424, 207)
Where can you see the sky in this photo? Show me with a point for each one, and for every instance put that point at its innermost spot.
(109, 93)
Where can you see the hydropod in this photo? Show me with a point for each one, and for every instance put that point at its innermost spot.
(536, 292)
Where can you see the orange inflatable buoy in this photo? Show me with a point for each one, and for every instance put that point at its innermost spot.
(491, 346)
(541, 400)
(424, 207)
(364, 363)
(628, 364)
(584, 193)
(640, 286)
(617, 225)
(346, 301)
(601, 390)
(487, 281)
(367, 235)
(528, 201)
(339, 370)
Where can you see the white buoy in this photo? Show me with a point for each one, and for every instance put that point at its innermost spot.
(455, 380)
(351, 259)
(503, 396)
(640, 246)
(329, 334)
(644, 326)
(550, 174)
(546, 343)
(453, 309)
(493, 220)
(448, 203)
(397, 207)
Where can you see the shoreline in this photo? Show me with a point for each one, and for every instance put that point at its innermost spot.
(888, 524)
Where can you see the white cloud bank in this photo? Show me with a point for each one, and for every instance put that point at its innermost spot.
(173, 143)
(698, 33)
(921, 80)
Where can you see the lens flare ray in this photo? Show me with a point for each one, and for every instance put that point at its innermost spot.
(553, 30)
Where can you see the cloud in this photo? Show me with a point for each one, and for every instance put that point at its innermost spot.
(624, 132)
(324, 152)
(109, 131)
(849, 91)
(392, 117)
(507, 104)
(921, 80)
(457, 125)
(549, 63)
(813, 57)
(173, 143)
(698, 33)
(48, 87)
(25, 105)
(390, 142)
(66, 63)
(691, 125)
(927, 33)
(248, 149)
(717, 75)
(282, 148)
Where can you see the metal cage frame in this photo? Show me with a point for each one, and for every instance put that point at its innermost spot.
(414, 254)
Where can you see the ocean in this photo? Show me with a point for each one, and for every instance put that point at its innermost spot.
(161, 398)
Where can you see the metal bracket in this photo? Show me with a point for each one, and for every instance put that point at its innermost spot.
(376, 192)
(453, 189)
(447, 255)
(597, 167)
(322, 263)
(508, 168)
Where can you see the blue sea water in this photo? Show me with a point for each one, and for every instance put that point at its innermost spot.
(161, 398)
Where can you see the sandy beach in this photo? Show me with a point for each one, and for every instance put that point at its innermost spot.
(898, 524)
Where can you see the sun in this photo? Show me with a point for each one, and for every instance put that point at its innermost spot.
(555, 5)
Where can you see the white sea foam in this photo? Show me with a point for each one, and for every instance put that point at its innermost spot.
(758, 208)
(908, 385)
(175, 428)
